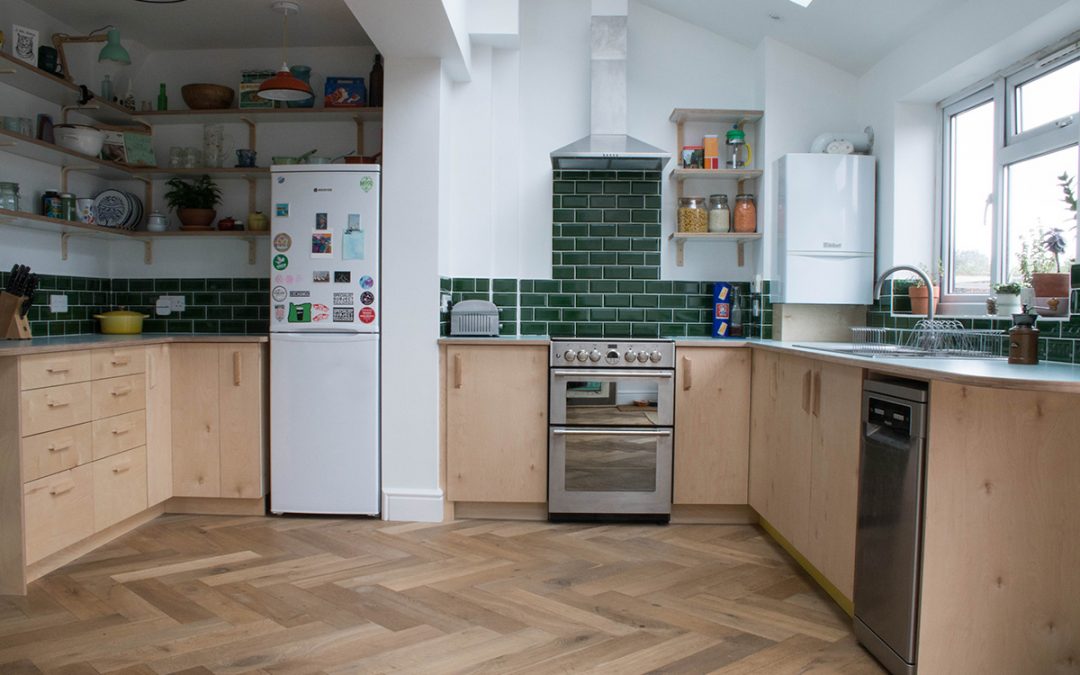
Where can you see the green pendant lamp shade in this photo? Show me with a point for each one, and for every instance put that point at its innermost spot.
(113, 50)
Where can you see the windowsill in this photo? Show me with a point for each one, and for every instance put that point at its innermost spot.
(958, 313)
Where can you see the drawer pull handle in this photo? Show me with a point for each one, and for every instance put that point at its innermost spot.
(56, 370)
(61, 488)
(56, 404)
(121, 360)
(236, 374)
(121, 468)
(121, 391)
(63, 445)
(122, 430)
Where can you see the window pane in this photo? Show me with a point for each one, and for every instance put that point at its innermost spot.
(972, 186)
(1047, 98)
(1035, 206)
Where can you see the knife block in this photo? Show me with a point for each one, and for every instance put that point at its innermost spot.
(13, 325)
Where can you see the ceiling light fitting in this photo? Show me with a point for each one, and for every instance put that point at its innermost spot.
(112, 51)
(284, 86)
(160, 2)
(802, 3)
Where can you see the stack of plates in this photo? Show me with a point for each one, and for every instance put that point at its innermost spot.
(119, 209)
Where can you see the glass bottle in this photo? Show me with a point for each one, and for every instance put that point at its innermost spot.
(9, 196)
(719, 214)
(106, 89)
(162, 98)
(375, 83)
(692, 215)
(745, 215)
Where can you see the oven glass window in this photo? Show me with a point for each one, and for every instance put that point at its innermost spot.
(629, 402)
(610, 463)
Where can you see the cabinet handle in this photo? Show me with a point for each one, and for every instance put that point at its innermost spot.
(817, 393)
(123, 390)
(236, 374)
(122, 430)
(58, 489)
(806, 392)
(457, 371)
(686, 370)
(57, 370)
(56, 404)
(151, 370)
(121, 468)
(62, 445)
(121, 360)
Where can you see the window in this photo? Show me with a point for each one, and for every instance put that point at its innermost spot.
(1004, 148)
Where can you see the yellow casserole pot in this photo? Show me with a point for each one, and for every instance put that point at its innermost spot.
(121, 322)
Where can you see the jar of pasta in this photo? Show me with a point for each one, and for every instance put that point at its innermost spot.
(692, 215)
(745, 215)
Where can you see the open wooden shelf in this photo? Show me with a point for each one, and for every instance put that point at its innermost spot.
(716, 174)
(683, 115)
(59, 91)
(31, 148)
(226, 172)
(740, 238)
(260, 115)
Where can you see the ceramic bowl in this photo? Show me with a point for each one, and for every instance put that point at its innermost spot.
(79, 138)
(207, 96)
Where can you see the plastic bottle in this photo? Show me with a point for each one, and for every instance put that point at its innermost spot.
(162, 98)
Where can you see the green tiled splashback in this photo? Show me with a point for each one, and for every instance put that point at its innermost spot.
(1058, 340)
(219, 305)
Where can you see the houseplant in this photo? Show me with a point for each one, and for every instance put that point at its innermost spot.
(919, 295)
(1008, 297)
(1047, 283)
(193, 201)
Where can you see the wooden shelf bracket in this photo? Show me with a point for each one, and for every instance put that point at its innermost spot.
(148, 251)
(251, 131)
(64, 236)
(252, 243)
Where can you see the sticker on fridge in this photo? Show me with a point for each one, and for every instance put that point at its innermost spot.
(342, 277)
(300, 312)
(282, 242)
(320, 277)
(322, 244)
(320, 312)
(367, 297)
(279, 294)
(343, 314)
(281, 210)
(299, 294)
(366, 183)
(279, 312)
(320, 221)
(367, 315)
(353, 240)
(343, 298)
(366, 282)
(281, 262)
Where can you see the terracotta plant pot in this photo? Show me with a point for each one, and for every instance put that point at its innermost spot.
(196, 219)
(1050, 285)
(919, 297)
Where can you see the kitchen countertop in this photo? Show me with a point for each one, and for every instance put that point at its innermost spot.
(998, 373)
(97, 341)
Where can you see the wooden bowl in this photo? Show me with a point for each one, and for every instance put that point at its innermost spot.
(207, 96)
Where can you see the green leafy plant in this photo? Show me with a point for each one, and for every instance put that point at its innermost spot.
(1033, 258)
(1011, 288)
(1054, 243)
(200, 193)
(935, 279)
(1065, 183)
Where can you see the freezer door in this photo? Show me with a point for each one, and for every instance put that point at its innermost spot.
(325, 250)
(825, 203)
(324, 423)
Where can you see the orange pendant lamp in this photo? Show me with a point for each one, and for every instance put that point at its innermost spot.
(284, 86)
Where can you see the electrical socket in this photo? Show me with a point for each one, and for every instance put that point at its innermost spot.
(171, 303)
(58, 304)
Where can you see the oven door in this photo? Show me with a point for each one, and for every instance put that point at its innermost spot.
(612, 398)
(607, 471)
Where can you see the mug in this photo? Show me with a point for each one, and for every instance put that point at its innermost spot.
(84, 207)
(11, 124)
(245, 157)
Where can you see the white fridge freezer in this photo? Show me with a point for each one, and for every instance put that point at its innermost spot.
(324, 340)
(824, 229)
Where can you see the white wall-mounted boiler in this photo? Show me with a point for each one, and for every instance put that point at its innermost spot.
(824, 229)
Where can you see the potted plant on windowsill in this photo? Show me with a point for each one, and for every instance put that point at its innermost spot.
(1008, 298)
(917, 292)
(193, 201)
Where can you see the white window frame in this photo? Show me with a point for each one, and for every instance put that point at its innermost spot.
(1009, 148)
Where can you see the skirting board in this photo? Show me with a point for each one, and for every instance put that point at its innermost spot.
(211, 506)
(698, 514)
(421, 506)
(498, 510)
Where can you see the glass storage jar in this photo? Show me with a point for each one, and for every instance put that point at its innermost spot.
(745, 213)
(719, 214)
(692, 215)
(68, 208)
(9, 196)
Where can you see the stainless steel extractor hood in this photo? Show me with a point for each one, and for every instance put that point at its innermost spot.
(609, 146)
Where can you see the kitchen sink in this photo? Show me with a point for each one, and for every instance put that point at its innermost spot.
(886, 351)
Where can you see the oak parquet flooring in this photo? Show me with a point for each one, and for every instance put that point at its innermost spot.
(198, 595)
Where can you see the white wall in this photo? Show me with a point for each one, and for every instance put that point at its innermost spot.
(898, 97)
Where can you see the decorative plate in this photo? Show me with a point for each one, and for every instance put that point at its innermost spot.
(111, 208)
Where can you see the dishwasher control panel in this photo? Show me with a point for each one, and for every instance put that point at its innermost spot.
(895, 416)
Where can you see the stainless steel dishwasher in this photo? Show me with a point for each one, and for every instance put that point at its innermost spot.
(888, 541)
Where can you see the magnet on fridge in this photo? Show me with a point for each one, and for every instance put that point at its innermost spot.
(320, 221)
(281, 210)
(352, 245)
(322, 244)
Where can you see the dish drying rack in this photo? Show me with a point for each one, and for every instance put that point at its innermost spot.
(931, 337)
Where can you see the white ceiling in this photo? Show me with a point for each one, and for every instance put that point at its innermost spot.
(850, 34)
(213, 24)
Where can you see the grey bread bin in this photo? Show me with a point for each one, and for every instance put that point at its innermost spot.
(477, 318)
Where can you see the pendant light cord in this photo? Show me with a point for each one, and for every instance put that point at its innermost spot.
(284, 35)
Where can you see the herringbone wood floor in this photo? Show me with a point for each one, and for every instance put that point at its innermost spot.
(200, 594)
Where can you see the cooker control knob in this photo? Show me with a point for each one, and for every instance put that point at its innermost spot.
(655, 356)
(569, 355)
(612, 356)
(594, 355)
(582, 355)
(642, 356)
(630, 355)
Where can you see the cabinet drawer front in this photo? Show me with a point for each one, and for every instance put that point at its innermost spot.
(51, 408)
(55, 451)
(116, 434)
(119, 487)
(116, 362)
(118, 395)
(49, 370)
(59, 511)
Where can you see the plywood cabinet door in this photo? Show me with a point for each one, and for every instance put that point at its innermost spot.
(242, 417)
(196, 439)
(834, 474)
(712, 425)
(496, 423)
(780, 443)
(159, 470)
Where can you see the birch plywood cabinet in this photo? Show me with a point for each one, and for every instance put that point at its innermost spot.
(804, 459)
(495, 423)
(219, 438)
(712, 425)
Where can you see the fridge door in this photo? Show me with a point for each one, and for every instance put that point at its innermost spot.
(324, 249)
(324, 423)
(825, 203)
